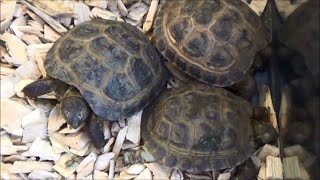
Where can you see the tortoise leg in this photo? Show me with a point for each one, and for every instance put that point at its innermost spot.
(74, 108)
(263, 133)
(44, 86)
(94, 128)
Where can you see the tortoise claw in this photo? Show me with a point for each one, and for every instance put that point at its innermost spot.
(94, 129)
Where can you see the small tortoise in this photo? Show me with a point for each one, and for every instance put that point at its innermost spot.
(199, 128)
(213, 41)
(114, 66)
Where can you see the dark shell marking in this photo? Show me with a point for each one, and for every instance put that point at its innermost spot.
(198, 127)
(190, 39)
(112, 64)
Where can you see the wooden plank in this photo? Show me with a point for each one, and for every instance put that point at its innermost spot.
(291, 169)
(274, 168)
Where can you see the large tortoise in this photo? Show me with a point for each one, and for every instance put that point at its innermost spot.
(200, 128)
(114, 66)
(214, 41)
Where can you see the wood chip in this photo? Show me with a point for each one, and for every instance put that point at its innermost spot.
(82, 12)
(274, 168)
(103, 161)
(159, 172)
(262, 172)
(38, 50)
(151, 15)
(134, 124)
(84, 151)
(7, 9)
(119, 141)
(16, 48)
(29, 166)
(30, 133)
(43, 149)
(52, 22)
(136, 169)
(304, 173)
(19, 10)
(268, 150)
(7, 88)
(106, 148)
(138, 13)
(7, 147)
(145, 174)
(58, 147)
(70, 130)
(176, 175)
(97, 3)
(35, 17)
(53, 8)
(86, 166)
(11, 122)
(224, 176)
(304, 156)
(30, 39)
(291, 169)
(122, 8)
(76, 141)
(30, 30)
(104, 14)
(12, 158)
(100, 175)
(125, 176)
(41, 174)
(257, 6)
(285, 8)
(50, 34)
(56, 119)
(28, 70)
(20, 21)
(111, 169)
(61, 167)
(265, 100)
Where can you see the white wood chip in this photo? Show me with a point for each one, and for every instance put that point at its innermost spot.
(30, 133)
(138, 13)
(84, 151)
(13, 158)
(86, 166)
(151, 15)
(257, 6)
(134, 123)
(122, 8)
(58, 147)
(35, 117)
(112, 6)
(61, 168)
(285, 8)
(106, 148)
(65, 20)
(56, 119)
(50, 34)
(159, 172)
(119, 141)
(11, 122)
(38, 50)
(111, 169)
(43, 149)
(76, 141)
(53, 8)
(7, 147)
(262, 172)
(136, 169)
(103, 161)
(274, 168)
(224, 176)
(97, 3)
(20, 21)
(41, 174)
(7, 88)
(28, 70)
(35, 16)
(19, 10)
(29, 166)
(115, 127)
(69, 129)
(82, 12)
(100, 175)
(104, 14)
(106, 130)
(125, 176)
(30, 30)
(30, 39)
(7, 9)
(51, 21)
(145, 174)
(17, 48)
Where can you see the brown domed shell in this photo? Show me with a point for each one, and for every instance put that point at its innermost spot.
(197, 127)
(214, 41)
(113, 65)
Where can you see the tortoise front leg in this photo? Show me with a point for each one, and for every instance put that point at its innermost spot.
(74, 108)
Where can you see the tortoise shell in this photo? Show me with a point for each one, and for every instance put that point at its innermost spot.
(301, 32)
(198, 127)
(113, 65)
(214, 41)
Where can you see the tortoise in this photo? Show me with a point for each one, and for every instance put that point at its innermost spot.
(111, 67)
(198, 127)
(213, 41)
